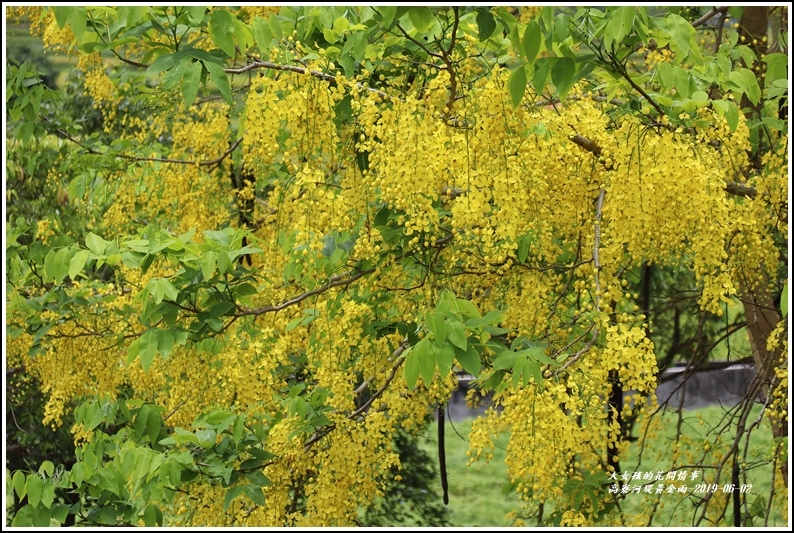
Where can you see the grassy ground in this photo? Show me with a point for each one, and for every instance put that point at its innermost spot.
(477, 498)
(19, 42)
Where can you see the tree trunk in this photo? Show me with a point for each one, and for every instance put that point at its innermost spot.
(759, 303)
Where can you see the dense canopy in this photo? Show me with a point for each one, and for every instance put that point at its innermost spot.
(280, 236)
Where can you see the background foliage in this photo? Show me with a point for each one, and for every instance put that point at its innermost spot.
(249, 251)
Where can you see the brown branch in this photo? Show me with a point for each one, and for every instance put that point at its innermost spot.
(740, 189)
(720, 26)
(596, 245)
(130, 62)
(731, 187)
(420, 44)
(299, 70)
(705, 18)
(587, 144)
(62, 134)
(623, 72)
(335, 281)
(597, 300)
(318, 435)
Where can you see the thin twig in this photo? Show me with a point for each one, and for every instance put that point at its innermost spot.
(128, 157)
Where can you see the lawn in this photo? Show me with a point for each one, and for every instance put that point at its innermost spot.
(477, 496)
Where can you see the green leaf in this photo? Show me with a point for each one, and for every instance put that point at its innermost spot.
(467, 309)
(517, 84)
(776, 67)
(420, 17)
(534, 369)
(388, 13)
(107, 515)
(96, 244)
(195, 14)
(153, 424)
(255, 494)
(169, 290)
(563, 75)
(784, 300)
(531, 41)
(748, 83)
(78, 473)
(41, 517)
(24, 518)
(263, 455)
(523, 247)
(18, 481)
(262, 35)
(219, 420)
(62, 15)
(141, 419)
(208, 264)
(56, 264)
(59, 512)
(445, 356)
(681, 33)
(486, 24)
(152, 516)
(244, 35)
(469, 360)
(47, 468)
(518, 371)
(231, 494)
(162, 63)
(239, 426)
(219, 77)
(258, 478)
(190, 83)
(538, 353)
(505, 360)
(411, 368)
(244, 291)
(728, 110)
(165, 342)
(147, 348)
(456, 332)
(77, 262)
(76, 18)
(48, 495)
(621, 22)
(427, 365)
(492, 317)
(34, 487)
(224, 262)
(132, 350)
(437, 326)
(221, 29)
(541, 74)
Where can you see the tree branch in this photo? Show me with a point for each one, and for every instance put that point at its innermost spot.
(318, 435)
(705, 18)
(299, 70)
(731, 187)
(62, 134)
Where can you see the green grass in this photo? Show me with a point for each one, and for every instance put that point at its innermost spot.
(18, 38)
(475, 492)
(476, 496)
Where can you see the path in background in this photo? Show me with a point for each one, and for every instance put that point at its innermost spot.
(722, 386)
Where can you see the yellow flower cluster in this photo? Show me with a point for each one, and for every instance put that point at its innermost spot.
(499, 205)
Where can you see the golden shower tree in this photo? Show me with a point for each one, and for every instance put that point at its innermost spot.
(303, 223)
